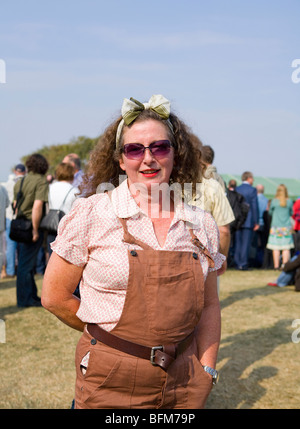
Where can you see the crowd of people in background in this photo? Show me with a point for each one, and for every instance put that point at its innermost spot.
(255, 232)
(40, 193)
(269, 236)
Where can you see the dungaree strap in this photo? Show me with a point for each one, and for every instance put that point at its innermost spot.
(203, 249)
(130, 239)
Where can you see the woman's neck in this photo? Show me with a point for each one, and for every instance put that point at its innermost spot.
(156, 202)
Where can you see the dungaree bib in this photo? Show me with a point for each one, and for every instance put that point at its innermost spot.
(163, 304)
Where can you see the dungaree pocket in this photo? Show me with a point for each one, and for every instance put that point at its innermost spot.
(108, 378)
(172, 302)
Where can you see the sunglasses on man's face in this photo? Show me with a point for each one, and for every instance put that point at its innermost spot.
(157, 149)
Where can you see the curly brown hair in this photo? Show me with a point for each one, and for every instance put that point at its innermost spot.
(37, 163)
(103, 166)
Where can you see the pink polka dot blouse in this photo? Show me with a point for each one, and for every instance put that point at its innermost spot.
(91, 236)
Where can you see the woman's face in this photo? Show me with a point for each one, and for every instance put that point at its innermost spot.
(148, 169)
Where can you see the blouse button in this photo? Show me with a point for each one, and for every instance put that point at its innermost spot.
(133, 253)
(195, 256)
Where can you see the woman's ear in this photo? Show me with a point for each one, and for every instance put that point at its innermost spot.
(122, 165)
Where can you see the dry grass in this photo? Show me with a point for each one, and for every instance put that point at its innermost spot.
(36, 366)
(258, 362)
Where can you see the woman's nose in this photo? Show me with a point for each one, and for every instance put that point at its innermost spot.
(148, 157)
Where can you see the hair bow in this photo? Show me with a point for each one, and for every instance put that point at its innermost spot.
(132, 108)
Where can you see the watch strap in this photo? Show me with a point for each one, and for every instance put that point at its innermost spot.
(212, 372)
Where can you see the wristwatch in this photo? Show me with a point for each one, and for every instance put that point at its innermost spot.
(212, 372)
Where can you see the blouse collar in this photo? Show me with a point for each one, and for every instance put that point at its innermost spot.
(125, 206)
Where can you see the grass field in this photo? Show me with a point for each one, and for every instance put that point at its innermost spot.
(258, 361)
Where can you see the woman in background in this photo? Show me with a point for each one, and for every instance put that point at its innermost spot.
(61, 193)
(280, 237)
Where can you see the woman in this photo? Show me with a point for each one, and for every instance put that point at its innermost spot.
(61, 193)
(149, 308)
(280, 237)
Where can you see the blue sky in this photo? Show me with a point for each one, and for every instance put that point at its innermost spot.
(226, 66)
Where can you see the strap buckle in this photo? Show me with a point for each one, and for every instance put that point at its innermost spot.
(152, 355)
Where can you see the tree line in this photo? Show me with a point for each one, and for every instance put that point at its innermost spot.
(54, 154)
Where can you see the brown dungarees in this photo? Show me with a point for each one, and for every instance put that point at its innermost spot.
(163, 304)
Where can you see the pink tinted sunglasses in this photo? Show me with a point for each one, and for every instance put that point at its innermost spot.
(157, 149)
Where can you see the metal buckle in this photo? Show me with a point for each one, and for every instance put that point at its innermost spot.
(152, 355)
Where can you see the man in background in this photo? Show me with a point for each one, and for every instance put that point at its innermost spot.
(261, 233)
(74, 160)
(4, 202)
(32, 206)
(11, 246)
(211, 197)
(208, 156)
(243, 236)
(240, 210)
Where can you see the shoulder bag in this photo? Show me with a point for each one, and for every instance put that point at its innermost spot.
(20, 227)
(50, 222)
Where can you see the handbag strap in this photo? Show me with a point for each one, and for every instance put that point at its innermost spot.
(66, 198)
(19, 196)
(62, 204)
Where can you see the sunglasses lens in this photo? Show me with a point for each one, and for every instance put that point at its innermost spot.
(133, 150)
(160, 148)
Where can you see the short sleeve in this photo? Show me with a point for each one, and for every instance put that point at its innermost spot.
(72, 240)
(213, 241)
(41, 190)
